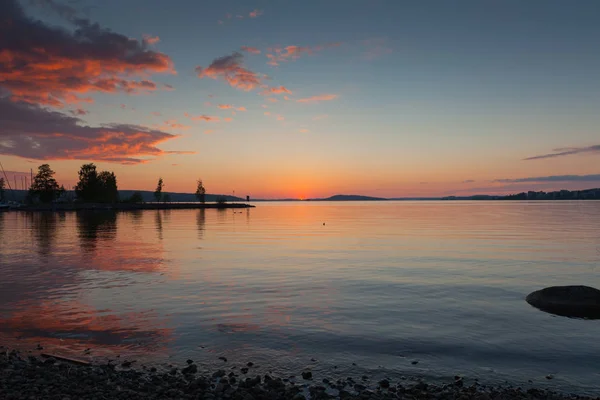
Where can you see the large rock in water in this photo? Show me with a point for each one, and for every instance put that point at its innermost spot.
(568, 301)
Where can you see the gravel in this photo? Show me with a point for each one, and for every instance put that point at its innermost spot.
(36, 378)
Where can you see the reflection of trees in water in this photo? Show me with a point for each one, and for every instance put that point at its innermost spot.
(44, 229)
(159, 227)
(221, 215)
(158, 219)
(135, 216)
(93, 226)
(200, 222)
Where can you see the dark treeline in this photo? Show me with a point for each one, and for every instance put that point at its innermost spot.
(96, 187)
(587, 194)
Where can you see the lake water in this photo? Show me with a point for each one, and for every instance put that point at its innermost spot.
(311, 285)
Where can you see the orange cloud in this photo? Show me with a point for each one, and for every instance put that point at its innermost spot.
(228, 119)
(276, 90)
(172, 123)
(286, 98)
(230, 69)
(37, 133)
(151, 39)
(40, 64)
(255, 13)
(283, 54)
(206, 118)
(319, 98)
(242, 109)
(267, 113)
(304, 130)
(155, 113)
(208, 131)
(272, 100)
(225, 106)
(252, 50)
(280, 117)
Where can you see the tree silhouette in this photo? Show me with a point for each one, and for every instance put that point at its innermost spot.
(136, 197)
(109, 192)
(200, 192)
(158, 191)
(94, 187)
(167, 198)
(44, 185)
(88, 187)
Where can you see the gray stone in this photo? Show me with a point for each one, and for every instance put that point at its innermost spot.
(567, 301)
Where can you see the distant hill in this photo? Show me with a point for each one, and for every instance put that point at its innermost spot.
(350, 197)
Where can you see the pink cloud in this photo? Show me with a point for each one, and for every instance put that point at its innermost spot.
(231, 69)
(151, 39)
(272, 99)
(251, 50)
(228, 119)
(304, 130)
(225, 106)
(319, 98)
(155, 113)
(208, 131)
(206, 118)
(42, 64)
(280, 117)
(255, 13)
(267, 113)
(173, 124)
(37, 133)
(286, 98)
(290, 53)
(276, 90)
(264, 106)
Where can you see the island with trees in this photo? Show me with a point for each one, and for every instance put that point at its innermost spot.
(98, 190)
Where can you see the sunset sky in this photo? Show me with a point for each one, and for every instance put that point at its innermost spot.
(305, 98)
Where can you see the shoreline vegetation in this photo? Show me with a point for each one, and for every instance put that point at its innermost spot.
(98, 190)
(51, 376)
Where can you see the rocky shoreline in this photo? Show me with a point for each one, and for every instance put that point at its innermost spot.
(33, 377)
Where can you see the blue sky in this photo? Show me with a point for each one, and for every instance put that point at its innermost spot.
(418, 97)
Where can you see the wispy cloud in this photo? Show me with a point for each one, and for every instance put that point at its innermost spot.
(255, 13)
(280, 117)
(231, 107)
(79, 111)
(319, 98)
(208, 131)
(277, 55)
(272, 99)
(376, 48)
(173, 124)
(251, 50)
(276, 90)
(41, 64)
(320, 117)
(303, 130)
(568, 151)
(206, 118)
(149, 39)
(231, 69)
(267, 113)
(554, 178)
(156, 113)
(468, 181)
(37, 133)
(228, 119)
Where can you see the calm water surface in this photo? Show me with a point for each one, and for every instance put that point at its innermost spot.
(319, 285)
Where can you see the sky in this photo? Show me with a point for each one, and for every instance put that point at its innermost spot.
(280, 99)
